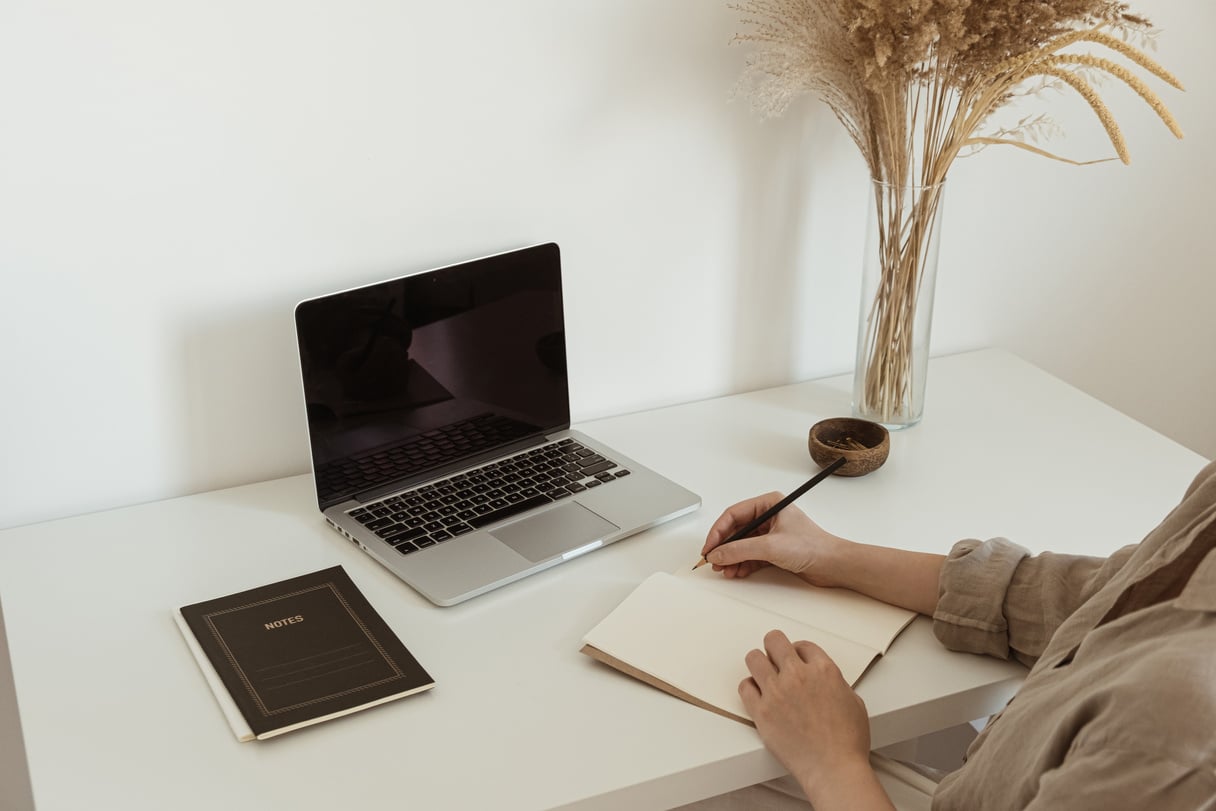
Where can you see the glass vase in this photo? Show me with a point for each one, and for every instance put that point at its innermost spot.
(898, 279)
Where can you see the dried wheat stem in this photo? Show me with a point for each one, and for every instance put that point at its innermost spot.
(1096, 104)
(1134, 54)
(1128, 78)
(976, 140)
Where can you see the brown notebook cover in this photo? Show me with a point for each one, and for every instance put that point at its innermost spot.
(300, 651)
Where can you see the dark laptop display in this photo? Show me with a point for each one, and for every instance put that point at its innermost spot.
(405, 377)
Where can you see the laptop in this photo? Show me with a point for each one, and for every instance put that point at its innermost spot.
(438, 410)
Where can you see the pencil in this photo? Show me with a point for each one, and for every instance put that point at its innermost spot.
(759, 520)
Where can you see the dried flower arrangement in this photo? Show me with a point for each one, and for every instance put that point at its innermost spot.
(915, 82)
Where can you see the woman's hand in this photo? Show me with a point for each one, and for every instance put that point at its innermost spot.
(795, 543)
(790, 540)
(813, 722)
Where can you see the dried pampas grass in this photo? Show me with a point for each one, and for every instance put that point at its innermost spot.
(915, 82)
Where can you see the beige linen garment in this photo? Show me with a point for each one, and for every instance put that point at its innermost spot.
(1119, 708)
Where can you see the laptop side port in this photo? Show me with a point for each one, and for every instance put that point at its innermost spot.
(346, 534)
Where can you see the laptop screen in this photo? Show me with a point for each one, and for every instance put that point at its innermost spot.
(418, 374)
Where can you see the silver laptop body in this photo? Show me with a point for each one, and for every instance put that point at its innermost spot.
(439, 426)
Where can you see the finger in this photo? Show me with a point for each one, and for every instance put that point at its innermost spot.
(780, 650)
(809, 652)
(821, 666)
(759, 547)
(739, 569)
(737, 516)
(761, 667)
(749, 691)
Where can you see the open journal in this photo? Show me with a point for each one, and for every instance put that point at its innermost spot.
(687, 633)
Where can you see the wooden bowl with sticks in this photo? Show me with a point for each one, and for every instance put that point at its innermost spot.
(862, 443)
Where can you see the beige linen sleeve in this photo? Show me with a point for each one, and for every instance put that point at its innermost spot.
(996, 599)
(1106, 778)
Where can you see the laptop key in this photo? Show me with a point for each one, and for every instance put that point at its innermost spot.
(598, 467)
(508, 511)
(405, 536)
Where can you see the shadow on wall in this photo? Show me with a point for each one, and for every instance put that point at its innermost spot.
(243, 409)
(773, 184)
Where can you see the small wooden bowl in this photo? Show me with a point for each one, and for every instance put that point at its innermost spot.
(863, 443)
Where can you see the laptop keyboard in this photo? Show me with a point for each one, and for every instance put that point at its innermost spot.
(430, 449)
(445, 509)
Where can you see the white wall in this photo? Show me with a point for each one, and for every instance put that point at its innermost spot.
(176, 175)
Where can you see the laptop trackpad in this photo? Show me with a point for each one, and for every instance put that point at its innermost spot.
(554, 531)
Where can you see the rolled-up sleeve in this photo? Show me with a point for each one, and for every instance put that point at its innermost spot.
(996, 599)
(970, 613)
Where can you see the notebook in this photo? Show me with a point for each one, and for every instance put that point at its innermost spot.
(438, 412)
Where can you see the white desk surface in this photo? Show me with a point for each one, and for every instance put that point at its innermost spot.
(116, 715)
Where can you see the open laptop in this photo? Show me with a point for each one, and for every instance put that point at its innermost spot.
(438, 417)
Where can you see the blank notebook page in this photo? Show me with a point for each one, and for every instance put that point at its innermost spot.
(845, 613)
(695, 639)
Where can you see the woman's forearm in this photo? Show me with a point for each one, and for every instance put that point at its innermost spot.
(906, 579)
(855, 789)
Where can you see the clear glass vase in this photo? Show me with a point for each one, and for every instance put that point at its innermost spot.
(898, 279)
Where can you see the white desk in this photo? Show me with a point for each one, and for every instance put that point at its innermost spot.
(116, 715)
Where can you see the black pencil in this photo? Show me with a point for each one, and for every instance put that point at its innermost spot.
(756, 522)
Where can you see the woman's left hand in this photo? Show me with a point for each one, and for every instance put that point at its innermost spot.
(808, 717)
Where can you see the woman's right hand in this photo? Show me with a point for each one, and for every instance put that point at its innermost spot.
(790, 540)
